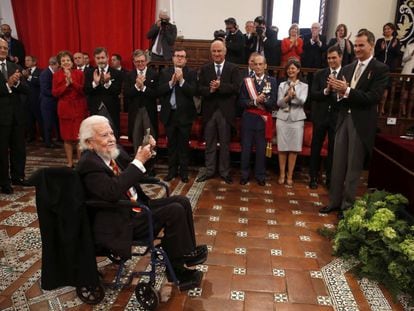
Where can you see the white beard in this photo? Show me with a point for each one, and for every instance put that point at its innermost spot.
(112, 155)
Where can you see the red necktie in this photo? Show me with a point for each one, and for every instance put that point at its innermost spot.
(115, 169)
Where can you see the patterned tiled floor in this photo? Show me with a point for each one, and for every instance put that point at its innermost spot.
(265, 253)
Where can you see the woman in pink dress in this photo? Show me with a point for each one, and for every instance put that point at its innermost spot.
(72, 106)
(292, 46)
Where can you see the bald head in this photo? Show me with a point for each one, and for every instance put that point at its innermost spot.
(218, 51)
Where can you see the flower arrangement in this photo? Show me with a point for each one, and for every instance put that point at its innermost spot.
(374, 233)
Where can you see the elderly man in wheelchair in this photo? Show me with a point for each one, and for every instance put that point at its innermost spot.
(109, 174)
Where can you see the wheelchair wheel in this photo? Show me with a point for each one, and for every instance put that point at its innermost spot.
(147, 296)
(91, 295)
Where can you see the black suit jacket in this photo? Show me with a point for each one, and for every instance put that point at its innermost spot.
(112, 228)
(235, 48)
(12, 110)
(363, 100)
(225, 97)
(186, 111)
(137, 99)
(17, 49)
(271, 47)
(110, 96)
(313, 55)
(323, 106)
(34, 84)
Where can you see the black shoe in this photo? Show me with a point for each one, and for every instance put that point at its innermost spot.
(52, 146)
(187, 278)
(20, 182)
(227, 179)
(340, 215)
(7, 189)
(261, 182)
(313, 184)
(328, 209)
(204, 178)
(197, 256)
(170, 177)
(243, 181)
(184, 179)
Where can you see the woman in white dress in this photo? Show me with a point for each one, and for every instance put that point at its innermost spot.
(291, 97)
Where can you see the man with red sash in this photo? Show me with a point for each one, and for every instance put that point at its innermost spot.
(258, 97)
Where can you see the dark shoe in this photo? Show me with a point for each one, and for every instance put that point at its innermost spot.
(328, 209)
(227, 179)
(340, 215)
(197, 256)
(313, 184)
(204, 178)
(184, 179)
(170, 177)
(52, 146)
(20, 182)
(261, 182)
(7, 189)
(243, 181)
(187, 278)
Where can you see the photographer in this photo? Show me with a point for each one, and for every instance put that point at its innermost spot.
(162, 35)
(264, 41)
(234, 42)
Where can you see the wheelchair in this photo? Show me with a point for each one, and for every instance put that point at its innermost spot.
(68, 249)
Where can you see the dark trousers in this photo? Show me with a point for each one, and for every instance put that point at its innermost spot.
(50, 121)
(320, 130)
(249, 138)
(141, 124)
(217, 129)
(178, 149)
(175, 216)
(12, 146)
(348, 163)
(34, 116)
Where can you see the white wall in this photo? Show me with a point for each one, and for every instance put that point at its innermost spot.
(197, 19)
(357, 14)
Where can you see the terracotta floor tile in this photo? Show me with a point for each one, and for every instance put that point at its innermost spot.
(263, 283)
(255, 301)
(225, 242)
(217, 282)
(220, 259)
(258, 262)
(300, 307)
(281, 262)
(291, 247)
(299, 287)
(213, 304)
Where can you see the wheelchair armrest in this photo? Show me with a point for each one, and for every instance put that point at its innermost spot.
(121, 203)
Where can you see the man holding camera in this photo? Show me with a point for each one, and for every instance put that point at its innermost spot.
(264, 41)
(234, 42)
(162, 35)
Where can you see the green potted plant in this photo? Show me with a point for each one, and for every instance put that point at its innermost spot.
(374, 233)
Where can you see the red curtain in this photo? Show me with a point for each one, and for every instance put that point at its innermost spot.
(47, 26)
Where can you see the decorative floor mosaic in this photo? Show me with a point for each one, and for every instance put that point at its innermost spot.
(264, 252)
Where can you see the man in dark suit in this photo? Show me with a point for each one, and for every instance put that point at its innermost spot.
(116, 63)
(141, 92)
(258, 97)
(109, 174)
(314, 48)
(324, 115)
(177, 86)
(219, 85)
(264, 41)
(12, 119)
(16, 48)
(103, 86)
(32, 74)
(48, 103)
(234, 42)
(359, 91)
(162, 35)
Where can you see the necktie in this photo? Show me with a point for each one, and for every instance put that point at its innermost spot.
(218, 71)
(115, 169)
(259, 81)
(4, 70)
(358, 71)
(251, 74)
(102, 78)
(158, 48)
(334, 73)
(141, 73)
(173, 100)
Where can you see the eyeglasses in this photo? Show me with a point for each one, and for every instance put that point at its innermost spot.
(180, 56)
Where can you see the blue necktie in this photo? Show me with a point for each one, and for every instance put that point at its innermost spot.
(173, 101)
(218, 72)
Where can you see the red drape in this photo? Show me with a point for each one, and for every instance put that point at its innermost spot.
(47, 26)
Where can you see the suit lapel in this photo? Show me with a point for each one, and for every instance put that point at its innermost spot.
(366, 75)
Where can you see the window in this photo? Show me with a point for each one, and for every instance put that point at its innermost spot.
(286, 12)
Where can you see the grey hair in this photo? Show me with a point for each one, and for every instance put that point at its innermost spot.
(87, 130)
